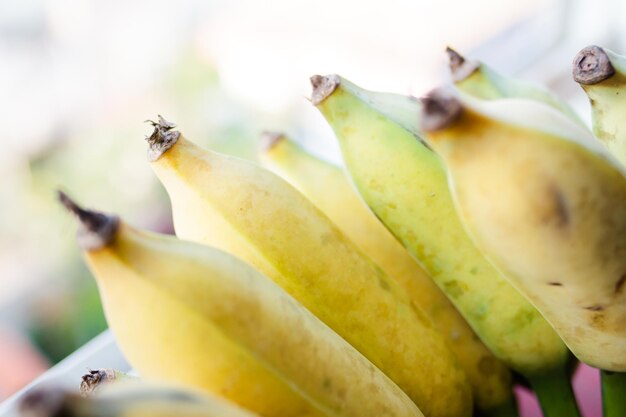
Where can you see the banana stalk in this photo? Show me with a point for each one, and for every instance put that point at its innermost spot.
(328, 188)
(194, 315)
(548, 204)
(405, 184)
(602, 75)
(97, 378)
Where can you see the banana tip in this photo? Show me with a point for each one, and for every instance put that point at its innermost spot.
(44, 402)
(439, 110)
(163, 137)
(270, 139)
(460, 68)
(94, 378)
(323, 86)
(591, 66)
(97, 230)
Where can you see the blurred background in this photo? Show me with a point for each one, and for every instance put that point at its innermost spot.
(79, 77)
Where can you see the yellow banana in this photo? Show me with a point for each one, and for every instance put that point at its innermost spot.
(602, 74)
(549, 210)
(246, 210)
(405, 185)
(548, 204)
(194, 315)
(327, 187)
(478, 80)
(128, 400)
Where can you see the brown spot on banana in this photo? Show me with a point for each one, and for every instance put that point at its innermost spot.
(619, 285)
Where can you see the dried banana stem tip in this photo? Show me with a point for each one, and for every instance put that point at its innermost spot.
(323, 87)
(93, 379)
(162, 138)
(460, 68)
(270, 139)
(44, 402)
(592, 65)
(439, 110)
(97, 230)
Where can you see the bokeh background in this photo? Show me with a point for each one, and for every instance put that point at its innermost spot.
(79, 77)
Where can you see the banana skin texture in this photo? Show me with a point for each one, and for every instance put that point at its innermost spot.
(602, 75)
(193, 315)
(549, 207)
(327, 187)
(414, 202)
(250, 212)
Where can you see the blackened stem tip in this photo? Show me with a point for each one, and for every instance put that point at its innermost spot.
(440, 109)
(97, 230)
(163, 137)
(270, 139)
(460, 68)
(591, 66)
(323, 86)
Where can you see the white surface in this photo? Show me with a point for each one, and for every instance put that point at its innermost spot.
(101, 352)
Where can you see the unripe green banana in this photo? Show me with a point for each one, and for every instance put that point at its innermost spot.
(405, 185)
(244, 209)
(328, 188)
(602, 74)
(128, 400)
(196, 316)
(478, 80)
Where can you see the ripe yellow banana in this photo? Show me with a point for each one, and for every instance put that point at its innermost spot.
(547, 209)
(248, 211)
(405, 185)
(477, 79)
(553, 218)
(602, 74)
(197, 316)
(128, 400)
(327, 187)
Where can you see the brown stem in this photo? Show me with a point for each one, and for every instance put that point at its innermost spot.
(591, 66)
(323, 87)
(45, 402)
(97, 230)
(270, 139)
(460, 68)
(93, 379)
(162, 138)
(439, 110)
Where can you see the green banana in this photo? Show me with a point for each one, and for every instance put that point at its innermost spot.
(327, 187)
(196, 316)
(477, 79)
(128, 400)
(548, 204)
(602, 75)
(405, 184)
(248, 211)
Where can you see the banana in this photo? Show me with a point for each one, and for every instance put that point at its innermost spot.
(327, 187)
(553, 218)
(96, 378)
(196, 316)
(602, 75)
(248, 211)
(477, 79)
(405, 185)
(128, 400)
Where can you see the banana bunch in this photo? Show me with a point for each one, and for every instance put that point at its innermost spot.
(475, 234)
